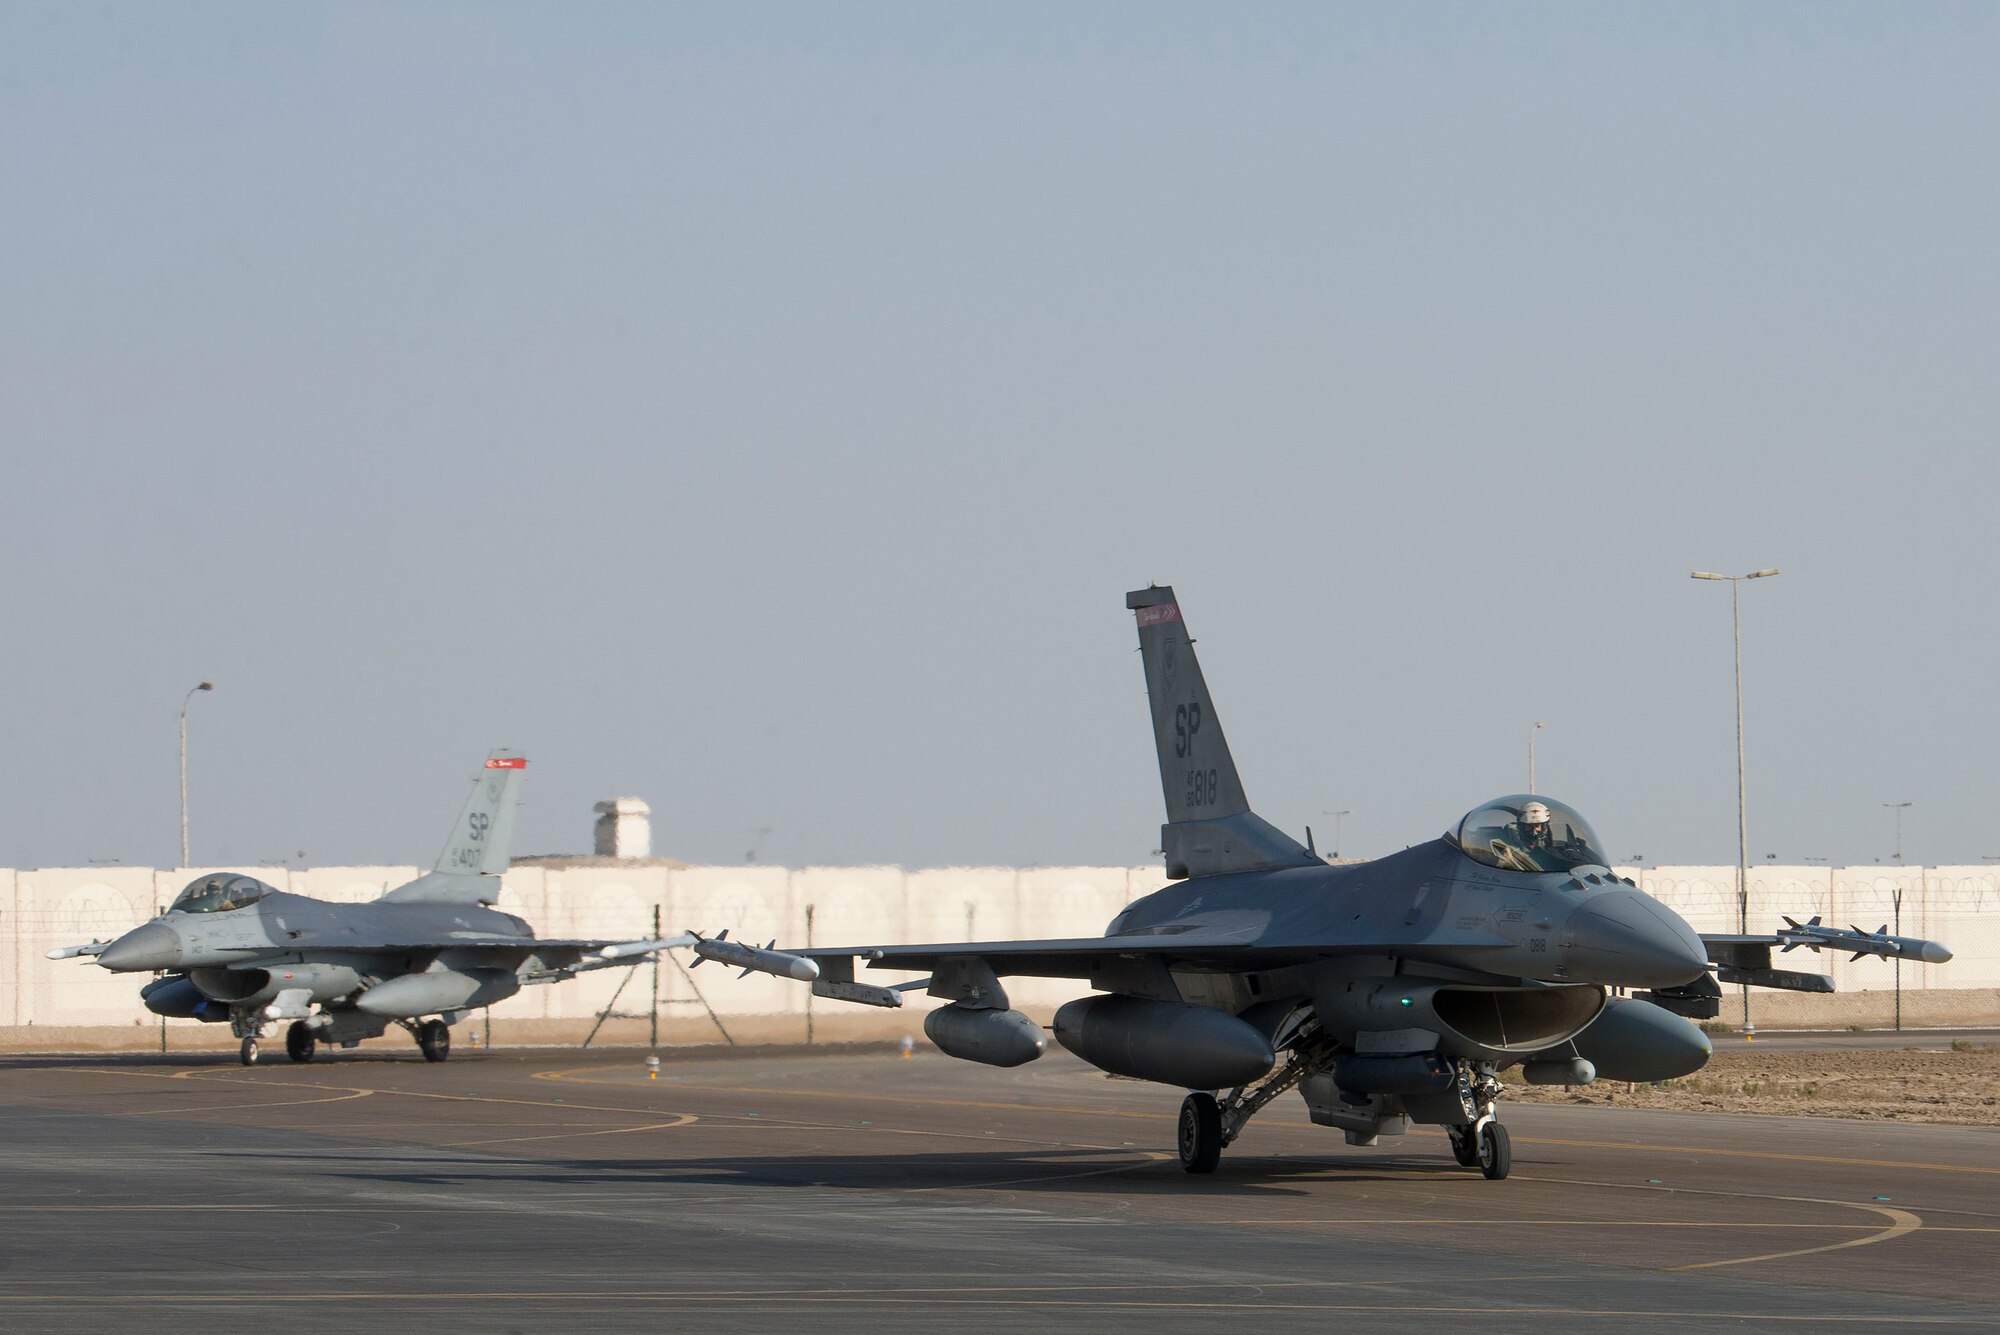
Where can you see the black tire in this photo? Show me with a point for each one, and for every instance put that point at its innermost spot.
(1200, 1133)
(247, 1054)
(1464, 1146)
(434, 1040)
(300, 1043)
(1496, 1152)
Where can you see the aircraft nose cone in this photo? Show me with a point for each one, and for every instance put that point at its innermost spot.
(1624, 938)
(143, 949)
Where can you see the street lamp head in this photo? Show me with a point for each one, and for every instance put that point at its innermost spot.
(1759, 574)
(206, 686)
(1706, 574)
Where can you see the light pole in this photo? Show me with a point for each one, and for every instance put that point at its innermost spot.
(1742, 820)
(1531, 754)
(1336, 827)
(185, 702)
(1897, 807)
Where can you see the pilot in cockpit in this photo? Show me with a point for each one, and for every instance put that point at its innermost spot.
(1535, 818)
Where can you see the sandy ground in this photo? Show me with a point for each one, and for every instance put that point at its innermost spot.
(1959, 1084)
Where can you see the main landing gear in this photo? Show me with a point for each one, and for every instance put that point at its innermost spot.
(1208, 1125)
(300, 1044)
(1200, 1132)
(434, 1040)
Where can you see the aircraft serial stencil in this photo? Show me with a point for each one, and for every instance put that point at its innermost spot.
(1385, 992)
(231, 948)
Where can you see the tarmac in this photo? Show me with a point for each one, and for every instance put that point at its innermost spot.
(865, 1191)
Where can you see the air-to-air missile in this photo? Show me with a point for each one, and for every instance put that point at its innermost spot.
(757, 959)
(1815, 937)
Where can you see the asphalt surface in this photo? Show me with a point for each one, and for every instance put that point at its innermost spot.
(867, 1192)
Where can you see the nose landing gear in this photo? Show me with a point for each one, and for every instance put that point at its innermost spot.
(245, 1025)
(1481, 1140)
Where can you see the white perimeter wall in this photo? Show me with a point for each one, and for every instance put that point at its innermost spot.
(50, 907)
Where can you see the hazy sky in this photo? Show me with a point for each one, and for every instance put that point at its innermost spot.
(764, 409)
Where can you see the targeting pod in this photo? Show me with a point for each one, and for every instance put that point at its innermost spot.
(748, 958)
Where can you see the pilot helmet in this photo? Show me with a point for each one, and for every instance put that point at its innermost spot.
(1535, 813)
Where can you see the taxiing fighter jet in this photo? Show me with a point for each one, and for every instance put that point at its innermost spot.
(1386, 992)
(422, 956)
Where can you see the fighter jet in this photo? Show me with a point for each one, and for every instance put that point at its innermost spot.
(1386, 992)
(422, 956)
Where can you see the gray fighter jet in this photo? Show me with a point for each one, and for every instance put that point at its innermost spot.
(422, 956)
(1386, 992)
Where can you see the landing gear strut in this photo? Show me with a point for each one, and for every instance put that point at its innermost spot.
(300, 1043)
(1480, 1139)
(434, 1040)
(1200, 1132)
(245, 1024)
(1307, 1053)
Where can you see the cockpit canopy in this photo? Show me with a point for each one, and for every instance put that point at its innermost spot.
(218, 892)
(1497, 835)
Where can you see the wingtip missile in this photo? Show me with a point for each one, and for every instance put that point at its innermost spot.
(76, 952)
(758, 959)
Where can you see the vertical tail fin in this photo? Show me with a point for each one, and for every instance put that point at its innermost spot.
(482, 841)
(468, 871)
(1210, 827)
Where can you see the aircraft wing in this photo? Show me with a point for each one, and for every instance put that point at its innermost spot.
(1076, 957)
(961, 965)
(554, 958)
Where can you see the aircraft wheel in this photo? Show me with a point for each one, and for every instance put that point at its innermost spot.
(300, 1043)
(1200, 1133)
(247, 1054)
(434, 1038)
(1496, 1154)
(1464, 1146)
